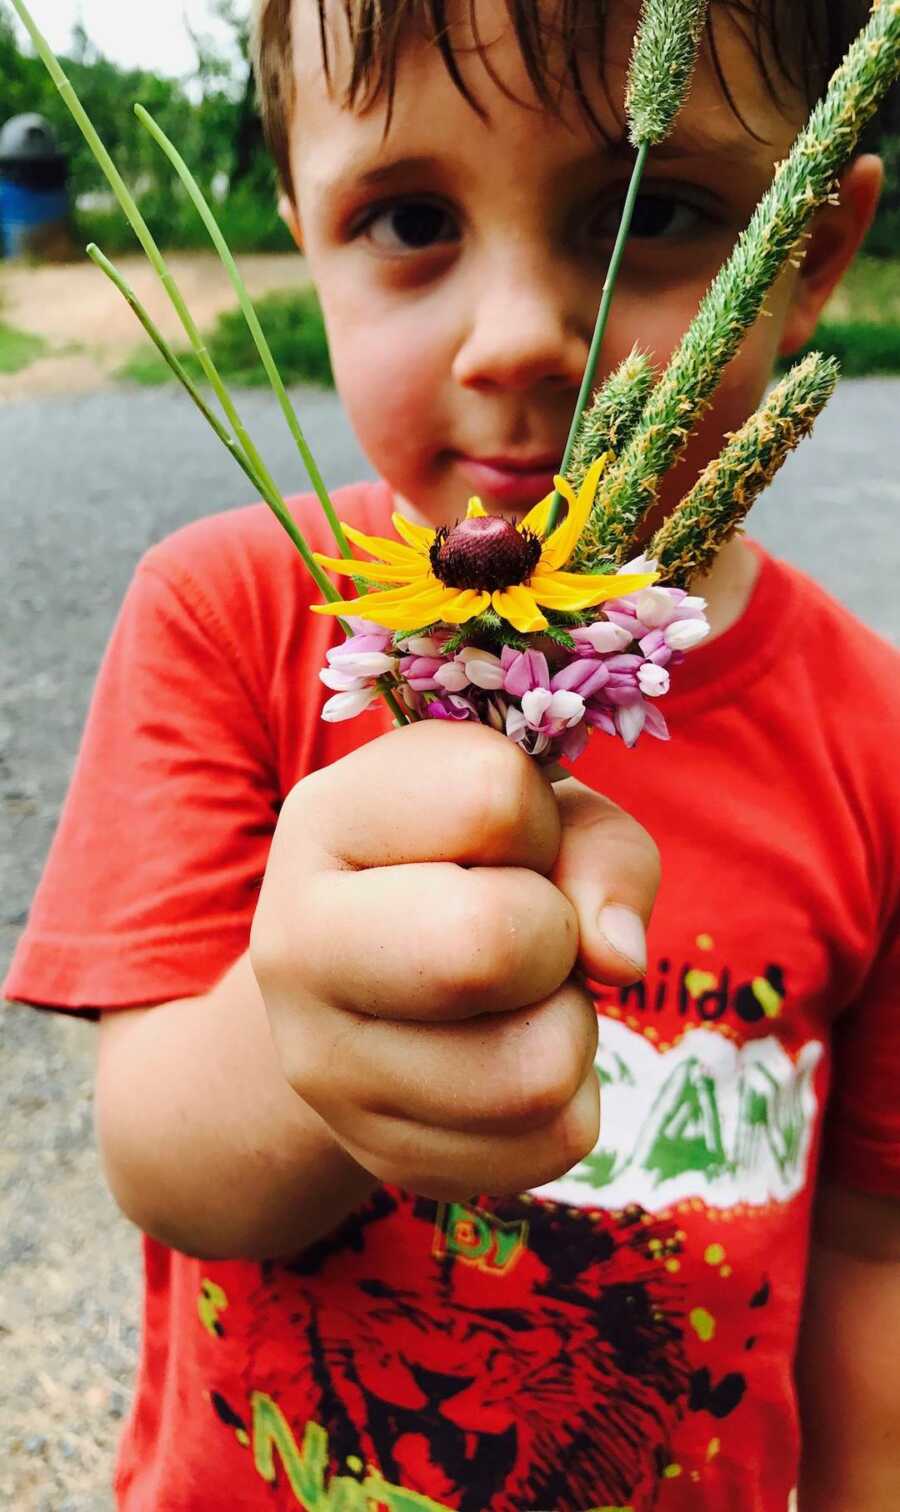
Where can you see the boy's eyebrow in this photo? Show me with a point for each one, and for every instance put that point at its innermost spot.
(386, 171)
(350, 175)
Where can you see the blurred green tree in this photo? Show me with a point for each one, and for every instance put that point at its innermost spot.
(212, 116)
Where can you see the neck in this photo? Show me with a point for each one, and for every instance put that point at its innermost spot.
(728, 585)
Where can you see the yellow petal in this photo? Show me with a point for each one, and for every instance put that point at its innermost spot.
(385, 551)
(570, 591)
(460, 607)
(476, 510)
(412, 605)
(417, 536)
(564, 539)
(375, 572)
(518, 607)
(536, 519)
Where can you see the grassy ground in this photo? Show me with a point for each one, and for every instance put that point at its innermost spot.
(862, 324)
(861, 328)
(18, 348)
(293, 326)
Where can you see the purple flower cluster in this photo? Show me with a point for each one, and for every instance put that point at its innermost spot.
(619, 667)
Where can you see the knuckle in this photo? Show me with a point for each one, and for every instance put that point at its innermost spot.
(549, 1059)
(304, 792)
(267, 950)
(277, 952)
(548, 1078)
(573, 1136)
(639, 855)
(482, 951)
(652, 859)
(581, 1125)
(500, 785)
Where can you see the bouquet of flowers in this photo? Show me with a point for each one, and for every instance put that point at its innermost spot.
(552, 626)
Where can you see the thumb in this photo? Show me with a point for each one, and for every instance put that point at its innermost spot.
(608, 867)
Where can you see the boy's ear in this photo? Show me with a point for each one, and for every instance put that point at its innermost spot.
(288, 212)
(836, 236)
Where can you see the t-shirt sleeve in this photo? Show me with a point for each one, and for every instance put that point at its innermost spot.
(863, 1130)
(152, 879)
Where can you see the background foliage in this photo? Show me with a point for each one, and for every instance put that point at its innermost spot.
(215, 124)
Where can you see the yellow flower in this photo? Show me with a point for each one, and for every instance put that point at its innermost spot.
(453, 574)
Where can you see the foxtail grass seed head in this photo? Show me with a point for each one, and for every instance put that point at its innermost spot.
(803, 184)
(615, 411)
(724, 494)
(662, 66)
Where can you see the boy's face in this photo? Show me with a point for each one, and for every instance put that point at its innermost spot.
(460, 262)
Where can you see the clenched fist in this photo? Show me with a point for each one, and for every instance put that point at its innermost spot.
(426, 902)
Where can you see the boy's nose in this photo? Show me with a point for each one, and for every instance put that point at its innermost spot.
(522, 333)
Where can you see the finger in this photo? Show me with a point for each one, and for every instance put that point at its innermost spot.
(448, 1166)
(431, 942)
(499, 1073)
(608, 867)
(426, 793)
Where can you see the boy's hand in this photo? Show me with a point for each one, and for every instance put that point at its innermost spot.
(425, 903)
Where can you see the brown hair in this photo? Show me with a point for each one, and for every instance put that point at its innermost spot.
(803, 41)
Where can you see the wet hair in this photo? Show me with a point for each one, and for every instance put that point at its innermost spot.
(798, 44)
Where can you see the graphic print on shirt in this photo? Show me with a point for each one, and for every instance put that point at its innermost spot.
(574, 1349)
(704, 1118)
(553, 1381)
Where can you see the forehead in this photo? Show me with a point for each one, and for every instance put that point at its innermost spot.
(428, 106)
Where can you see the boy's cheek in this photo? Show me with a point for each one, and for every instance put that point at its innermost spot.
(391, 387)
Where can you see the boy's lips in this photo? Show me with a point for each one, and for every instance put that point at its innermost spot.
(509, 480)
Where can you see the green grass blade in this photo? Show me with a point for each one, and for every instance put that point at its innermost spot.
(609, 288)
(206, 215)
(272, 498)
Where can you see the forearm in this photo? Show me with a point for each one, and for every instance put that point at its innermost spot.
(849, 1367)
(205, 1145)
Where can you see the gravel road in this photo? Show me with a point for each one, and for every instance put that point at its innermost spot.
(88, 483)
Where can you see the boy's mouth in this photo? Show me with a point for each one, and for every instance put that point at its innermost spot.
(511, 481)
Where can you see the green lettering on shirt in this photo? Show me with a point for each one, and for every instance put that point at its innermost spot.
(306, 1467)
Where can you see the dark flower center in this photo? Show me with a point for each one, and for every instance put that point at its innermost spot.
(485, 554)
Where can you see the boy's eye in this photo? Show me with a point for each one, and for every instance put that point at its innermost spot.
(411, 225)
(656, 217)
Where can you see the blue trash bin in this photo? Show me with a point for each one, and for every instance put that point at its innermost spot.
(34, 199)
(26, 213)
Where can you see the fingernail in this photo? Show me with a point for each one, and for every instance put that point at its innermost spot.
(623, 931)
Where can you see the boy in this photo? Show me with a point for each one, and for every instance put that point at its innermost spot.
(333, 1319)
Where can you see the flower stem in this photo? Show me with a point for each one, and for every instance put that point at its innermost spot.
(609, 288)
(252, 319)
(399, 713)
(272, 497)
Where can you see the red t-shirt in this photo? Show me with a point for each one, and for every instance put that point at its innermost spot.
(623, 1338)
